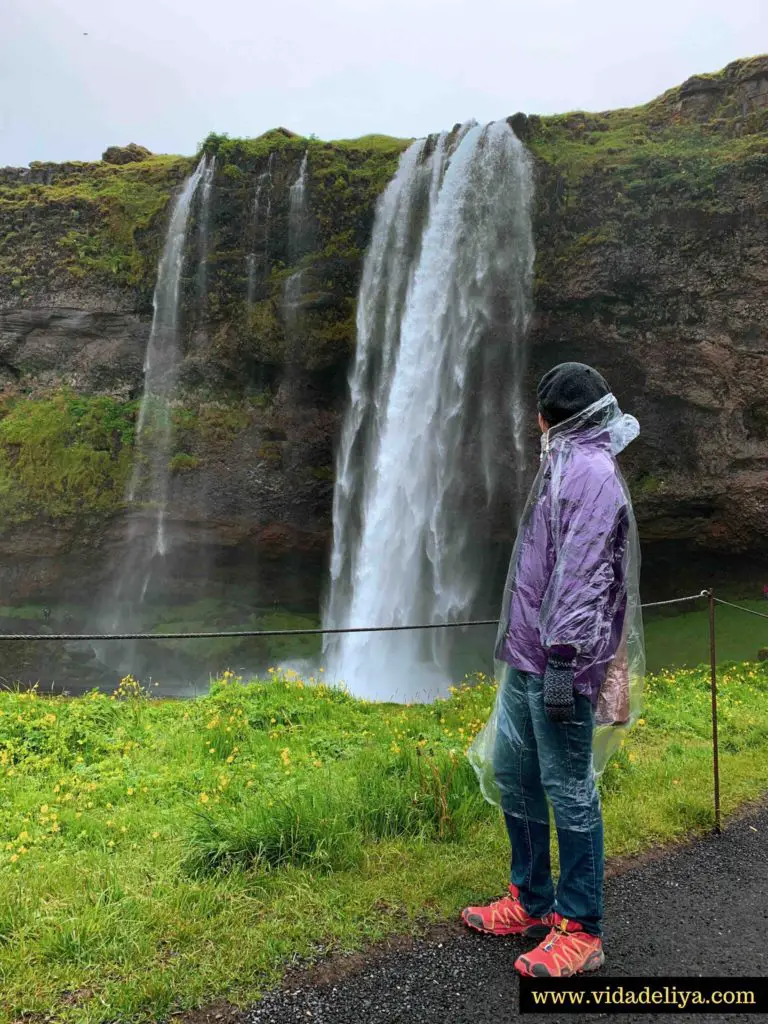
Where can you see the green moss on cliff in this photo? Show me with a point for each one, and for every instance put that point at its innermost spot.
(211, 423)
(668, 161)
(64, 456)
(183, 462)
(344, 180)
(628, 189)
(682, 144)
(246, 154)
(85, 220)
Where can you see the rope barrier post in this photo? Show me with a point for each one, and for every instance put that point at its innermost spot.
(713, 685)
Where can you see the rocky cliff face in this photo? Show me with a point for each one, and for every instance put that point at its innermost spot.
(653, 242)
(652, 238)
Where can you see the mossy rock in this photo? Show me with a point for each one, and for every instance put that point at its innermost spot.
(183, 462)
(270, 453)
(101, 223)
(129, 154)
(64, 455)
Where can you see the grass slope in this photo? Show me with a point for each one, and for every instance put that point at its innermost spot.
(158, 855)
(682, 640)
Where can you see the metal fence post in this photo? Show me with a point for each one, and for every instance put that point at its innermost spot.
(713, 686)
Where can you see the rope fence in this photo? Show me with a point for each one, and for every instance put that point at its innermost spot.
(708, 594)
(741, 608)
(296, 632)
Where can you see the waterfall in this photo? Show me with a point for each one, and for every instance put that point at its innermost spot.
(263, 185)
(299, 239)
(298, 213)
(151, 472)
(162, 359)
(435, 420)
(291, 312)
(203, 238)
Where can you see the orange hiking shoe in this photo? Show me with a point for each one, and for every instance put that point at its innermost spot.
(567, 950)
(506, 916)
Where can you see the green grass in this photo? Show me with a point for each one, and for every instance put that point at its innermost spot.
(156, 855)
(674, 641)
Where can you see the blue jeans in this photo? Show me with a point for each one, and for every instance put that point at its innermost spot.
(537, 761)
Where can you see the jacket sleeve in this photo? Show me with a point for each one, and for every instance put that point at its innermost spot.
(589, 522)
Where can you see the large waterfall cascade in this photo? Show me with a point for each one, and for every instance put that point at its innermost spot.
(433, 435)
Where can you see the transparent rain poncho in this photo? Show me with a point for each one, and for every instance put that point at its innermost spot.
(576, 563)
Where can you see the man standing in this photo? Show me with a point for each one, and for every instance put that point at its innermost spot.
(570, 651)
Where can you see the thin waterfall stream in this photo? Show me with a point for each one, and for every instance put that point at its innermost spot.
(147, 545)
(299, 232)
(203, 232)
(262, 198)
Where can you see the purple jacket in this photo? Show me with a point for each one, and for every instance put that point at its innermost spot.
(568, 589)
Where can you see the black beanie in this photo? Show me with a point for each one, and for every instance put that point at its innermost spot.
(567, 389)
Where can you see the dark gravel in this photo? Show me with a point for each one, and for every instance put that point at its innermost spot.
(701, 910)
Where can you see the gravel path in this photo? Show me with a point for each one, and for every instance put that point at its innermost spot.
(701, 910)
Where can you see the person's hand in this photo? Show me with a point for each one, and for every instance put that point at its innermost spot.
(558, 689)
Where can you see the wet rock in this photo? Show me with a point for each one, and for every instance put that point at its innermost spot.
(96, 352)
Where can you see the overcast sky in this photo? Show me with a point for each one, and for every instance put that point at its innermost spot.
(79, 75)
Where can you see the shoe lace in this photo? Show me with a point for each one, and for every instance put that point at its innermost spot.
(503, 899)
(557, 932)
